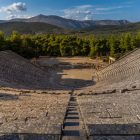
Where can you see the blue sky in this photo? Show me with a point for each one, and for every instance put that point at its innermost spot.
(74, 9)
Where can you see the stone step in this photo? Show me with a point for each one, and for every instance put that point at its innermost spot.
(72, 126)
(74, 138)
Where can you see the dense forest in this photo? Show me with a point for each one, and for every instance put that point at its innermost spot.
(31, 46)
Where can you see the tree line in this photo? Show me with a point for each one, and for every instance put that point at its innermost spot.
(30, 46)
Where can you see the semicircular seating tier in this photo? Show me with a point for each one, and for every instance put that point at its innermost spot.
(15, 71)
(121, 73)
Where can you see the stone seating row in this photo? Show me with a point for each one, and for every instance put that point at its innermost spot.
(14, 68)
(121, 70)
(33, 114)
(111, 114)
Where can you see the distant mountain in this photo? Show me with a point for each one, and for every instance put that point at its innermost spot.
(111, 29)
(55, 24)
(37, 28)
(69, 23)
(3, 21)
(30, 28)
(17, 20)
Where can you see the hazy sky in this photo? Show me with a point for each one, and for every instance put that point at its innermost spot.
(74, 9)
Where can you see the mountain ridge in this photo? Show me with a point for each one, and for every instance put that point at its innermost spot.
(67, 23)
(30, 28)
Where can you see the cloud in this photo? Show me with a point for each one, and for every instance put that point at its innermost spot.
(112, 8)
(15, 7)
(84, 6)
(13, 10)
(87, 12)
(13, 16)
(83, 12)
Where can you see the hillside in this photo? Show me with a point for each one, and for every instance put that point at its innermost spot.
(30, 28)
(2, 21)
(70, 23)
(38, 27)
(112, 29)
(56, 24)
(67, 23)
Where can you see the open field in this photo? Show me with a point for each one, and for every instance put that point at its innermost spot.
(71, 73)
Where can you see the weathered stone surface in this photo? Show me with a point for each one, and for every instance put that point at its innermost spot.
(110, 109)
(15, 71)
(114, 138)
(29, 137)
(36, 116)
(111, 114)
